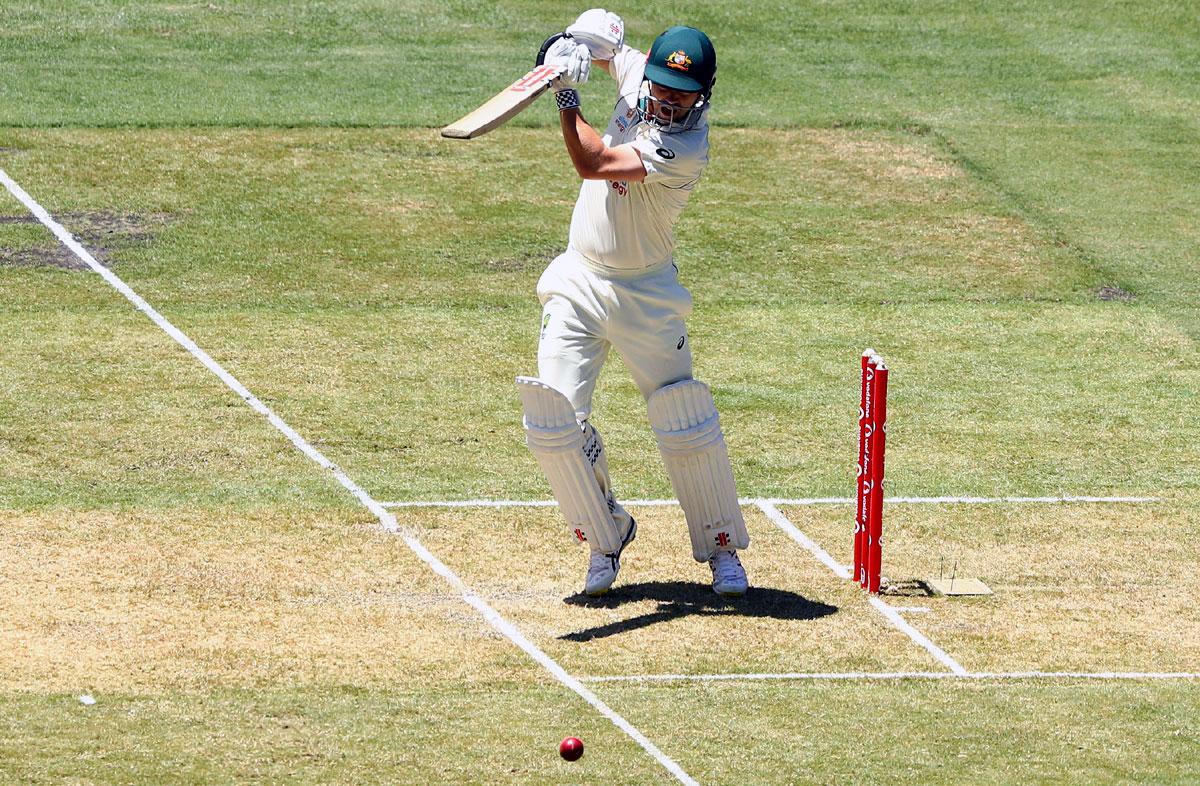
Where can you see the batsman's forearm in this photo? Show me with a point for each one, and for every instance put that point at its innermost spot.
(584, 145)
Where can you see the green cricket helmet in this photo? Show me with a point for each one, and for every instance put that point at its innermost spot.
(681, 58)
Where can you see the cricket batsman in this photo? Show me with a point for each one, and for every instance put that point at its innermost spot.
(617, 286)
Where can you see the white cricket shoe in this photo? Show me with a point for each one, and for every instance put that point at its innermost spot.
(603, 568)
(729, 577)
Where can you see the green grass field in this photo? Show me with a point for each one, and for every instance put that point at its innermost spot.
(1000, 197)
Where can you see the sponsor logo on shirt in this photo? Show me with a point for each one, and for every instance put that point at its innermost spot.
(624, 122)
(665, 153)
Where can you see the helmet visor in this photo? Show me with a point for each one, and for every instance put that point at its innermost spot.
(667, 115)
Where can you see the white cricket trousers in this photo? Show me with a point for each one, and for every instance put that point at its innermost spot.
(585, 312)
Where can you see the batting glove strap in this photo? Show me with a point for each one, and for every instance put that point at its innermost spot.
(567, 99)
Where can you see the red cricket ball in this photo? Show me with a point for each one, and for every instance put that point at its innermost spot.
(571, 748)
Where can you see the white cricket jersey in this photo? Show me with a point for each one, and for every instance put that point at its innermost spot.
(626, 226)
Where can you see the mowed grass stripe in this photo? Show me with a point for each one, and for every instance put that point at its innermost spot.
(943, 732)
(1084, 119)
(102, 409)
(357, 62)
(504, 732)
(331, 219)
(971, 420)
(948, 731)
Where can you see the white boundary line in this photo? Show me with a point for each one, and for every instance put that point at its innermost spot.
(549, 503)
(905, 675)
(386, 520)
(781, 521)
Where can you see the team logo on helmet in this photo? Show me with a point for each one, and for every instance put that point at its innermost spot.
(679, 60)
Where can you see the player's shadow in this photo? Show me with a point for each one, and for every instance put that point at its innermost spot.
(677, 599)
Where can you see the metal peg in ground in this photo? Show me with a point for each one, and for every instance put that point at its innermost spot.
(872, 430)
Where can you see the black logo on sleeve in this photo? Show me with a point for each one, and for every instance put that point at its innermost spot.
(667, 154)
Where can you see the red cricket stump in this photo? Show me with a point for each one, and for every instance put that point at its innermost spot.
(864, 477)
(878, 438)
(872, 433)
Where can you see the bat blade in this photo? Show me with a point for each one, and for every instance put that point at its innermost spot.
(505, 105)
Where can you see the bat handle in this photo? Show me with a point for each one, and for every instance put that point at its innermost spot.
(541, 55)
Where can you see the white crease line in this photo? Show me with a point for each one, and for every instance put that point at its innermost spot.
(1004, 500)
(476, 503)
(916, 635)
(781, 521)
(797, 675)
(905, 675)
(528, 503)
(386, 520)
(1086, 675)
(549, 503)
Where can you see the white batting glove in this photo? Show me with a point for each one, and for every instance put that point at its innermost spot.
(573, 56)
(603, 32)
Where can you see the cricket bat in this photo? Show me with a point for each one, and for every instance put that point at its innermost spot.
(506, 105)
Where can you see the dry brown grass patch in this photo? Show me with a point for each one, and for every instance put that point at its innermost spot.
(1095, 587)
(871, 155)
(662, 616)
(185, 599)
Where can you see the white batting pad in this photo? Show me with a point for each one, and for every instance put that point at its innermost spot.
(557, 442)
(593, 451)
(688, 429)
